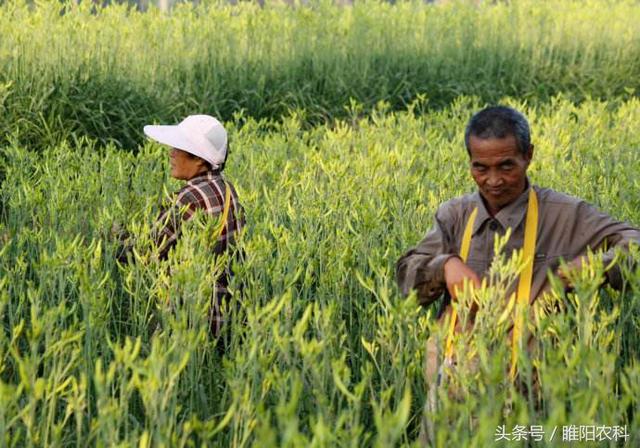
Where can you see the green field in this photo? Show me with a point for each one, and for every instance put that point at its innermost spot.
(106, 75)
(324, 351)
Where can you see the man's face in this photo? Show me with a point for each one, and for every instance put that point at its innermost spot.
(499, 169)
(184, 166)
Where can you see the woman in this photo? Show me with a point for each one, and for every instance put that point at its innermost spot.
(198, 154)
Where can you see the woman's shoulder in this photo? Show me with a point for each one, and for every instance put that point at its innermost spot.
(205, 191)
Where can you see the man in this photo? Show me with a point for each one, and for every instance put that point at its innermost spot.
(500, 151)
(198, 154)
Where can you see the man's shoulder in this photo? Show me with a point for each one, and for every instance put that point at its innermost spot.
(553, 198)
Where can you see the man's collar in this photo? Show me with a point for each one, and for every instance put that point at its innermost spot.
(509, 216)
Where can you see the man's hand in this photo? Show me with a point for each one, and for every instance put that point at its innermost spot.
(455, 271)
(565, 272)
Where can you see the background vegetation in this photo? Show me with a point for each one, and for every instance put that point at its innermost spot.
(76, 70)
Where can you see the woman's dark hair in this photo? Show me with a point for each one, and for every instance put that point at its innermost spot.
(226, 155)
(209, 165)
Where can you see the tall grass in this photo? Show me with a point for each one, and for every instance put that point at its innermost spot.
(71, 70)
(324, 351)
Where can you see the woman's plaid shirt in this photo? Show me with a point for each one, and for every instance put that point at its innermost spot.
(204, 192)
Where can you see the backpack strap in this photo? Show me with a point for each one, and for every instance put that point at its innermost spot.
(225, 210)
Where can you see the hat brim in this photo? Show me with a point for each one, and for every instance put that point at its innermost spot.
(175, 137)
(170, 136)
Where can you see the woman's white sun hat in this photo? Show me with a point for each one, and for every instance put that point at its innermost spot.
(200, 135)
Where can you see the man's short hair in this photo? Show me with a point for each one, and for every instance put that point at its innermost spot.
(499, 122)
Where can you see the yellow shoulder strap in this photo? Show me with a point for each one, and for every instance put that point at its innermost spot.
(524, 283)
(464, 254)
(526, 276)
(225, 211)
(466, 236)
